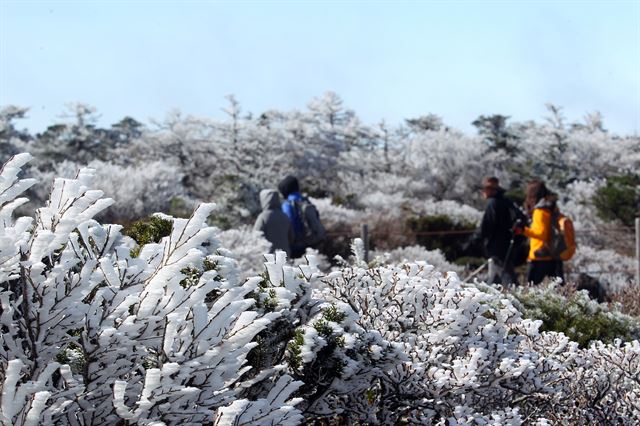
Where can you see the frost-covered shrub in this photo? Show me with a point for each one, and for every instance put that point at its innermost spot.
(450, 163)
(458, 213)
(91, 335)
(95, 334)
(139, 190)
(628, 300)
(614, 270)
(438, 350)
(417, 254)
(577, 203)
(320, 260)
(573, 313)
(335, 214)
(247, 247)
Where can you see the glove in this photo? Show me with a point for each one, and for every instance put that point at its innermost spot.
(517, 229)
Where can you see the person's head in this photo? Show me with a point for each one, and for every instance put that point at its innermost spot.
(536, 191)
(269, 199)
(490, 187)
(288, 185)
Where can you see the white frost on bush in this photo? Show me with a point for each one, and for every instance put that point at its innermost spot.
(139, 190)
(156, 347)
(247, 247)
(91, 335)
(616, 271)
(417, 254)
(460, 213)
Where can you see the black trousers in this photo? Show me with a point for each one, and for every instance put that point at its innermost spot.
(538, 270)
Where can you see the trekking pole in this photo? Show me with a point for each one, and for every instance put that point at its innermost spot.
(476, 272)
(508, 255)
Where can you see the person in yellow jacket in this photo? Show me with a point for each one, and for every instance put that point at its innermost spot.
(540, 203)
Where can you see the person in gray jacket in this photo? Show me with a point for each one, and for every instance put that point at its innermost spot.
(273, 223)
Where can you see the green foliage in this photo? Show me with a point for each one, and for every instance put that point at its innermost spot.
(323, 328)
(580, 318)
(191, 276)
(498, 136)
(294, 350)
(619, 199)
(333, 314)
(326, 362)
(265, 296)
(450, 244)
(178, 208)
(210, 265)
(146, 231)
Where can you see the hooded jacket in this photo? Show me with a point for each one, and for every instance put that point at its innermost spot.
(273, 223)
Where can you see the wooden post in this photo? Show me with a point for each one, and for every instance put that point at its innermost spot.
(364, 234)
(637, 250)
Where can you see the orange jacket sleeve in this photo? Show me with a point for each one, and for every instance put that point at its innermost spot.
(539, 225)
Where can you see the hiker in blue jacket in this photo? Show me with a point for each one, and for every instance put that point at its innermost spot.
(304, 217)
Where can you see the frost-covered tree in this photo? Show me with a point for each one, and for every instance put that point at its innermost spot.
(10, 137)
(92, 334)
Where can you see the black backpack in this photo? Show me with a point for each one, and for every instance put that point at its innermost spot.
(312, 229)
(520, 249)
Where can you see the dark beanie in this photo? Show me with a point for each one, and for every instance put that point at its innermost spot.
(288, 185)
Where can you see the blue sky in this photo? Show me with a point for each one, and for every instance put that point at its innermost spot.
(390, 60)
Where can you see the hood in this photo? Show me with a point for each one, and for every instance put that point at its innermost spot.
(288, 185)
(548, 202)
(269, 199)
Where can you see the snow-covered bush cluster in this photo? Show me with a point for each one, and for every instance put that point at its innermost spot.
(575, 314)
(416, 254)
(463, 354)
(357, 173)
(92, 335)
(100, 328)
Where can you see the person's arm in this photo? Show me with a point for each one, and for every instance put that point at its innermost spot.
(538, 226)
(288, 210)
(259, 225)
(488, 224)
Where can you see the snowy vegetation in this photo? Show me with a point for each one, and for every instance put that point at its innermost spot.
(113, 313)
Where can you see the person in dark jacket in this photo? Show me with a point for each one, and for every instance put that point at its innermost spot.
(495, 232)
(273, 223)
